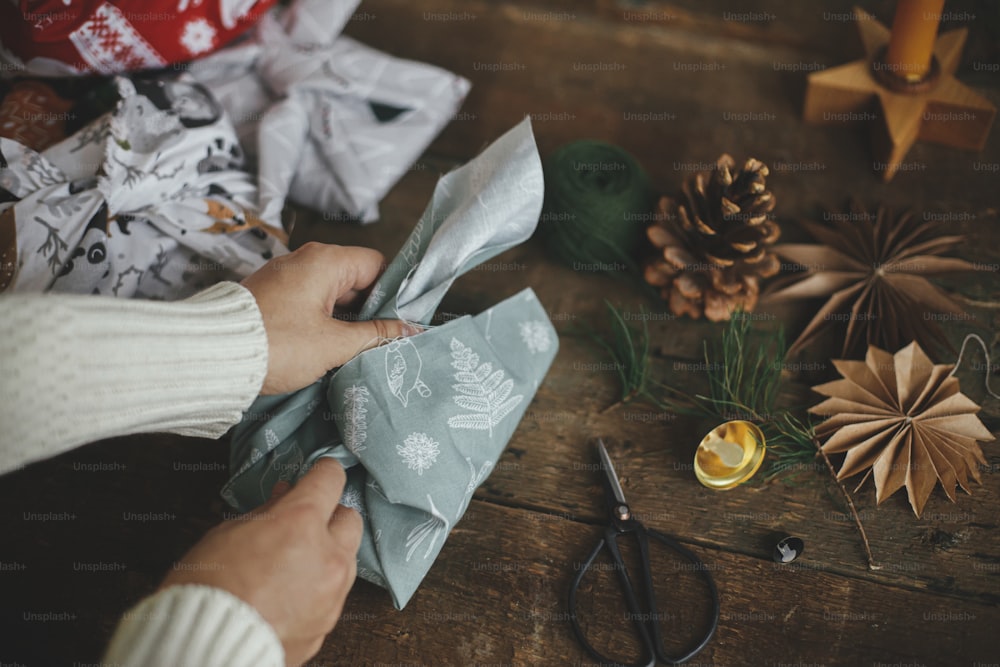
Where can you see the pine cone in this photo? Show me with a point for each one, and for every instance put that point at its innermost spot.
(712, 241)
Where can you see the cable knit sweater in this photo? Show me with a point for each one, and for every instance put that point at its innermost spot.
(189, 367)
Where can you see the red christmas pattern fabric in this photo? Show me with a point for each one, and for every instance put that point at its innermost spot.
(111, 36)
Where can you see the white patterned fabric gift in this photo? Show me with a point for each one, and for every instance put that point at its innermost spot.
(148, 200)
(421, 421)
(333, 123)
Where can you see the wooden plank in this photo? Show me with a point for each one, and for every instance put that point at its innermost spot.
(826, 28)
(954, 549)
(88, 533)
(953, 552)
(497, 595)
(575, 299)
(810, 166)
(704, 86)
(768, 21)
(537, 470)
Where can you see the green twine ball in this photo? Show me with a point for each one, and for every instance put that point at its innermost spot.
(598, 202)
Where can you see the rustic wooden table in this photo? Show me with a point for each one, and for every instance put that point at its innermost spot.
(496, 596)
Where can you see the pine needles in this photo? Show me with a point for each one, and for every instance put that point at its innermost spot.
(791, 443)
(744, 377)
(629, 351)
(743, 373)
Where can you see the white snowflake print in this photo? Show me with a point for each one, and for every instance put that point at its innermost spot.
(198, 36)
(355, 424)
(232, 11)
(352, 498)
(535, 335)
(419, 452)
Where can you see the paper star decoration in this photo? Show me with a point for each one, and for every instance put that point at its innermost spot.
(947, 112)
(873, 269)
(904, 418)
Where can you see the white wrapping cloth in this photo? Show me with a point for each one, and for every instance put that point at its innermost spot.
(333, 123)
(148, 200)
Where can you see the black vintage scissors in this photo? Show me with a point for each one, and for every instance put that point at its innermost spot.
(645, 617)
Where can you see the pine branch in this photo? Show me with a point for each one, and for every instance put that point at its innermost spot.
(790, 441)
(747, 383)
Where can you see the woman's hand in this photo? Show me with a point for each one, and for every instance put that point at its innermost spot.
(296, 294)
(293, 559)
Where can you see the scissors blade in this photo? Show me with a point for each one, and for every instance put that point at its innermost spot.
(609, 470)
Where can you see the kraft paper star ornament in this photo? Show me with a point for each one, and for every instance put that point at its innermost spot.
(943, 110)
(904, 420)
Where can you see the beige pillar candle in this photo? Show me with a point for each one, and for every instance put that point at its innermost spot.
(914, 31)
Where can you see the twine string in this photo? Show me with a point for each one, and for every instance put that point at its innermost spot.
(989, 361)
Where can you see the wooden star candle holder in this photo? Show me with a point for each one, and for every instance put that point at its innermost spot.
(911, 72)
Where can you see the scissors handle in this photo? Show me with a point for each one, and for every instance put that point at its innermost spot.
(649, 631)
(702, 569)
(649, 655)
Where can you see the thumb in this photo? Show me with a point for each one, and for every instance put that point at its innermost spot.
(353, 338)
(277, 491)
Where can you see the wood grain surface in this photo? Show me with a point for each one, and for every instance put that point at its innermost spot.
(497, 595)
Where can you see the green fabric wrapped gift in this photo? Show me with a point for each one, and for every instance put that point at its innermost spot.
(419, 422)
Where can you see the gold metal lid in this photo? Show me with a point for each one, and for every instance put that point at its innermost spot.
(729, 455)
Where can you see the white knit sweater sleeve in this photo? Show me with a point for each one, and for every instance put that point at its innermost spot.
(82, 368)
(194, 626)
(74, 369)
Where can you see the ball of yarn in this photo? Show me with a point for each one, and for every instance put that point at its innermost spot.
(598, 202)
